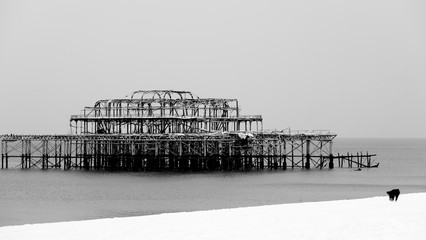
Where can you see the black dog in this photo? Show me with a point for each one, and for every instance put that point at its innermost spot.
(393, 194)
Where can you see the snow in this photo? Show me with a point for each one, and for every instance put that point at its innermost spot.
(370, 218)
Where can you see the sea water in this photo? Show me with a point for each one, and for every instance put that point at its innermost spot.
(38, 196)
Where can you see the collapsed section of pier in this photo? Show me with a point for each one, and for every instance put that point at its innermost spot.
(160, 130)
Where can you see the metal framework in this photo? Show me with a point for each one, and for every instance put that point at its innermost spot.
(163, 111)
(172, 130)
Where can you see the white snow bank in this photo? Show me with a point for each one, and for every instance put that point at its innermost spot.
(371, 218)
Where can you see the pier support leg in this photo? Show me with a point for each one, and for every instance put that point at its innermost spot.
(308, 155)
(2, 155)
(331, 164)
(285, 162)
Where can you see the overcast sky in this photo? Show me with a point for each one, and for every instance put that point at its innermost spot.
(357, 68)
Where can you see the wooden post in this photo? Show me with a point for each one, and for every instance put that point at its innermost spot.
(86, 163)
(368, 160)
(5, 154)
(28, 159)
(66, 153)
(6, 158)
(56, 154)
(357, 159)
(261, 161)
(331, 164)
(285, 155)
(2, 154)
(23, 154)
(308, 154)
(350, 159)
(338, 160)
(292, 154)
(43, 156)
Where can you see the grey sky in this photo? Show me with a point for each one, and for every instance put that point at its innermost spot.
(357, 68)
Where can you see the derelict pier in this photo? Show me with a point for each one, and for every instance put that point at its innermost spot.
(160, 130)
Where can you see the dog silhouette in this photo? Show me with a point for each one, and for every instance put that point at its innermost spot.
(393, 194)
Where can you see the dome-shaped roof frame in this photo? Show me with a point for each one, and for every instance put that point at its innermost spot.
(163, 95)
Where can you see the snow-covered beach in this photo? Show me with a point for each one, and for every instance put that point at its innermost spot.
(369, 218)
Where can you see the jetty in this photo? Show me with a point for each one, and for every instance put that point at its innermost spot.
(167, 130)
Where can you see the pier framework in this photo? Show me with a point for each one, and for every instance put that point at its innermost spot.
(160, 130)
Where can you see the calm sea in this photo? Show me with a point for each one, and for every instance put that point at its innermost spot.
(37, 196)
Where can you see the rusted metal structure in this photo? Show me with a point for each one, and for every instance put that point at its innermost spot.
(163, 112)
(173, 130)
